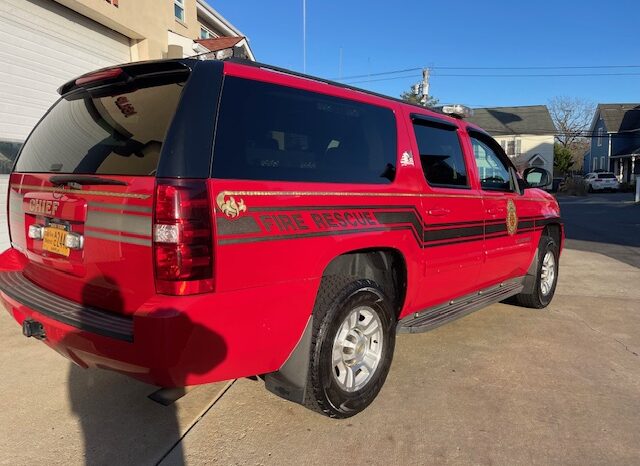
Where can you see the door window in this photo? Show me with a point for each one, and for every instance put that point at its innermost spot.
(494, 172)
(441, 155)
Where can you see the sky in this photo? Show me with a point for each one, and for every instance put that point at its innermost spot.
(378, 36)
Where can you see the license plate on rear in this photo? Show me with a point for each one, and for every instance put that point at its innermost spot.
(54, 240)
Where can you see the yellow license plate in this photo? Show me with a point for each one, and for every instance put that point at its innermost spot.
(53, 241)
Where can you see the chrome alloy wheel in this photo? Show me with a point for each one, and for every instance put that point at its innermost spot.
(547, 273)
(357, 349)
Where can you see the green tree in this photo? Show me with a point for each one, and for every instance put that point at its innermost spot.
(409, 96)
(562, 158)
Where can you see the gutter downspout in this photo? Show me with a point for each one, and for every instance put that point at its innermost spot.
(609, 156)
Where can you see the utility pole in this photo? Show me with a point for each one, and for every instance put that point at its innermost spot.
(426, 73)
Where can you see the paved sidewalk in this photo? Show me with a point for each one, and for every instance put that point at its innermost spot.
(505, 385)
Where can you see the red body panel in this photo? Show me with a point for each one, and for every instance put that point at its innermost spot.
(272, 242)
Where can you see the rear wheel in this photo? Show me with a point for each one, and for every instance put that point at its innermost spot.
(546, 276)
(352, 346)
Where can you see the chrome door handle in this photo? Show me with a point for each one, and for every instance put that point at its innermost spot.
(438, 212)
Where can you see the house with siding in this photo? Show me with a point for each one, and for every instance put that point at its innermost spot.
(615, 141)
(526, 133)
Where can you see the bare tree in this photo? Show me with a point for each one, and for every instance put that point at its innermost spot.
(572, 117)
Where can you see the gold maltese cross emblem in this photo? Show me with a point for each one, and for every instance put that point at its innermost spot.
(512, 218)
(230, 207)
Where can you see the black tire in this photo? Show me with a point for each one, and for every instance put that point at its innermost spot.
(537, 299)
(337, 298)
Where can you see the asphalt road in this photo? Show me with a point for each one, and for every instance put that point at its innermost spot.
(607, 223)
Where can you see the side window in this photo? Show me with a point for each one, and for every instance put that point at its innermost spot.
(494, 173)
(271, 132)
(441, 155)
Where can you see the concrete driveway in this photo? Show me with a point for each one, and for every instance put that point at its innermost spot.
(505, 385)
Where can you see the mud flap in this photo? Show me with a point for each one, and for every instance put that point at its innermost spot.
(290, 382)
(529, 281)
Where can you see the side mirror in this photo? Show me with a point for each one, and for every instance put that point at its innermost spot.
(536, 177)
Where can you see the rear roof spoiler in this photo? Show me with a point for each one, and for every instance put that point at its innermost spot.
(127, 73)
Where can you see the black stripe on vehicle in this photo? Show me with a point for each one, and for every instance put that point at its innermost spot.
(309, 235)
(394, 218)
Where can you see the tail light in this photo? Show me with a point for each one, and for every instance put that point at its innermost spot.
(182, 237)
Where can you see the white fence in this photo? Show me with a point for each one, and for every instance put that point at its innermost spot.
(4, 229)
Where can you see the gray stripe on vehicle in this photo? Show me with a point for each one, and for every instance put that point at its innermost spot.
(131, 208)
(237, 226)
(118, 238)
(126, 223)
(15, 203)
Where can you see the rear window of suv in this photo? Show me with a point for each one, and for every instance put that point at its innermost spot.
(271, 132)
(606, 175)
(107, 133)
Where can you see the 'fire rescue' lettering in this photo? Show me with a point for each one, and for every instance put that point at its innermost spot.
(334, 220)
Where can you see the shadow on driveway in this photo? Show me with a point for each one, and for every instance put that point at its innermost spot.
(120, 425)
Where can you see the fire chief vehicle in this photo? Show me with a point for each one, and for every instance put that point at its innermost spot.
(191, 221)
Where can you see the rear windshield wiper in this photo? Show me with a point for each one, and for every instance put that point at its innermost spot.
(62, 180)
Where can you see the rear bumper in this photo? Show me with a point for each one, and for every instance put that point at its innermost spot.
(170, 341)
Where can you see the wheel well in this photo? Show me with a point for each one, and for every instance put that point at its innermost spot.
(554, 231)
(386, 267)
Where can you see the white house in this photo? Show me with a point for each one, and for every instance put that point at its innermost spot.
(525, 133)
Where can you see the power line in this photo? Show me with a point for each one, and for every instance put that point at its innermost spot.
(557, 75)
(488, 68)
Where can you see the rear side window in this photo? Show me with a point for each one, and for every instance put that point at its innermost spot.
(441, 155)
(107, 133)
(271, 132)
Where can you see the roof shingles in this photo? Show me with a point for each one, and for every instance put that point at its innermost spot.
(620, 117)
(532, 119)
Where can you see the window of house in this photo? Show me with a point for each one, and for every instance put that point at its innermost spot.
(494, 172)
(594, 164)
(441, 156)
(271, 132)
(600, 134)
(602, 163)
(178, 9)
(511, 147)
(205, 33)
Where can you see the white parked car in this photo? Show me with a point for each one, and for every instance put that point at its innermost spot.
(605, 181)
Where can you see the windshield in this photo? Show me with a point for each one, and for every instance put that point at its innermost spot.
(107, 133)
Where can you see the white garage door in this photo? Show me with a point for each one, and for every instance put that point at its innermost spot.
(43, 45)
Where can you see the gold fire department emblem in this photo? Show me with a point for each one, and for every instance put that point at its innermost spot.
(230, 207)
(512, 218)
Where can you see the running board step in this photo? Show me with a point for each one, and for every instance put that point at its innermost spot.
(433, 317)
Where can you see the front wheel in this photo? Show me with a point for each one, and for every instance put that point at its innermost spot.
(352, 346)
(546, 276)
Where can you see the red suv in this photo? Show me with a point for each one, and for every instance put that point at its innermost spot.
(187, 221)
